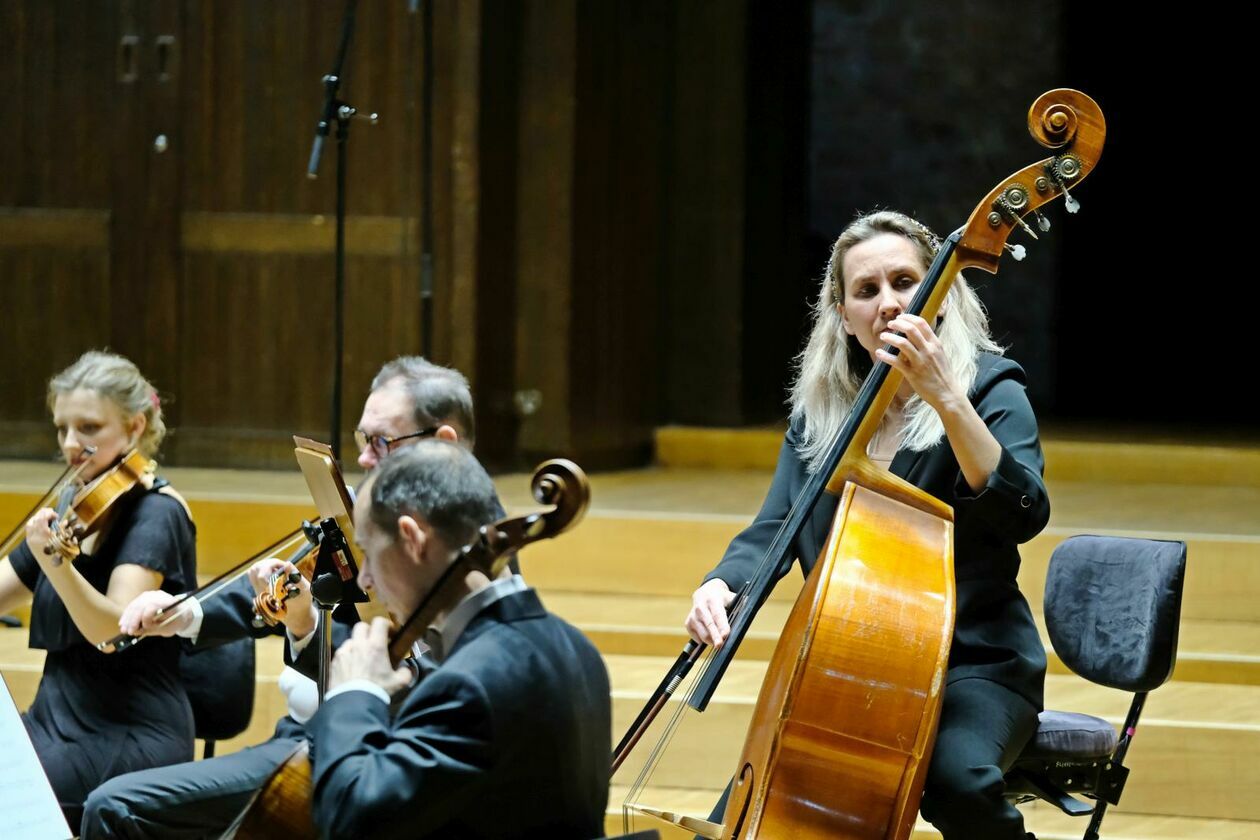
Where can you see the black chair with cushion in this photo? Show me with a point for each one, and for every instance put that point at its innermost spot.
(220, 686)
(1112, 609)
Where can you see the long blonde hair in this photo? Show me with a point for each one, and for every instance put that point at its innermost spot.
(831, 368)
(118, 380)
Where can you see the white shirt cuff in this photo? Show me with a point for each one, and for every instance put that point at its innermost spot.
(301, 693)
(296, 645)
(359, 685)
(193, 630)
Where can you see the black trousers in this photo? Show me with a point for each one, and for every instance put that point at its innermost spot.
(983, 727)
(199, 799)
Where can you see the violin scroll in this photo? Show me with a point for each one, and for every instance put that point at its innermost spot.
(270, 606)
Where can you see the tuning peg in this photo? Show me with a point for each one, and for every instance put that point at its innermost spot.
(1042, 221)
(1017, 251)
(1069, 203)
(1062, 169)
(1024, 225)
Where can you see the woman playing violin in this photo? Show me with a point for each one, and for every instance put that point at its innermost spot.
(97, 715)
(960, 428)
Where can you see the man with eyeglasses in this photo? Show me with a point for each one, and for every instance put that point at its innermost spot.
(411, 399)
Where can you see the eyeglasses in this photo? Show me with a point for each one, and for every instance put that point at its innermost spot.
(382, 445)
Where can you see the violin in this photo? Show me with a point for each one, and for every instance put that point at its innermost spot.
(69, 478)
(208, 590)
(282, 807)
(271, 604)
(85, 513)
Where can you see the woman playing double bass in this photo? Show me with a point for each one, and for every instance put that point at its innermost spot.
(97, 715)
(960, 428)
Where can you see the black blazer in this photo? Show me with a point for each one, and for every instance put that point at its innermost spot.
(509, 737)
(994, 634)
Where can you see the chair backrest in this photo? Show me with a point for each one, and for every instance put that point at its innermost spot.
(220, 686)
(1113, 606)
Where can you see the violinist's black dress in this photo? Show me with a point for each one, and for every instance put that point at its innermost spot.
(97, 715)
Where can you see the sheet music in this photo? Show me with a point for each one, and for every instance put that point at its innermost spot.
(28, 808)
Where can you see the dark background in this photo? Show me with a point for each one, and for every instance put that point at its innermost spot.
(632, 204)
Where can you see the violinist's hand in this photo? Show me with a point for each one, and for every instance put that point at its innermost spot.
(39, 533)
(300, 615)
(707, 620)
(921, 359)
(140, 617)
(365, 656)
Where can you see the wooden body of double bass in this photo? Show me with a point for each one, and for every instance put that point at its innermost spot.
(838, 746)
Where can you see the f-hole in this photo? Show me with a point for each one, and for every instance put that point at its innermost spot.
(743, 788)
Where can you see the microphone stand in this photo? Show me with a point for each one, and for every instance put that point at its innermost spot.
(426, 185)
(336, 110)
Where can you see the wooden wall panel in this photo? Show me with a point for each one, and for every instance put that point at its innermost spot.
(589, 183)
(254, 95)
(257, 350)
(260, 235)
(622, 142)
(705, 246)
(483, 206)
(58, 62)
(145, 170)
(56, 305)
(544, 223)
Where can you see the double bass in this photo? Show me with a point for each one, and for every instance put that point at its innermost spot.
(842, 731)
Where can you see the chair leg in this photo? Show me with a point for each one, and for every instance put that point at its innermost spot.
(208, 752)
(1117, 759)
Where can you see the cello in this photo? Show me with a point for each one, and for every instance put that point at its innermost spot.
(282, 807)
(843, 729)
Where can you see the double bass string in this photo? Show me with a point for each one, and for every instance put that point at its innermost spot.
(742, 602)
(659, 748)
(758, 588)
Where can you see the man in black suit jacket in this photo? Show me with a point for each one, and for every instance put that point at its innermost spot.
(508, 737)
